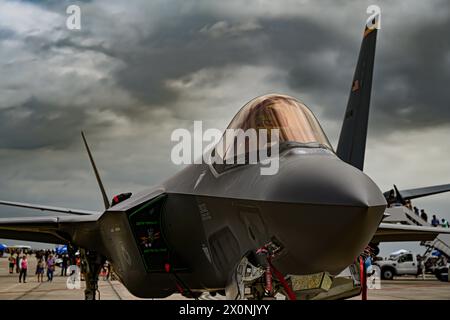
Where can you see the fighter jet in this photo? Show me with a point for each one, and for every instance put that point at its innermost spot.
(195, 232)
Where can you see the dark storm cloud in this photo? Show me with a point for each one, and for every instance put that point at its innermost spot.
(319, 60)
(413, 75)
(316, 55)
(411, 71)
(6, 34)
(410, 78)
(175, 49)
(179, 47)
(35, 124)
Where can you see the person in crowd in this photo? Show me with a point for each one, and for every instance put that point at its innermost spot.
(40, 269)
(50, 267)
(12, 262)
(434, 221)
(423, 215)
(39, 255)
(444, 223)
(408, 204)
(108, 270)
(64, 265)
(421, 269)
(18, 261)
(416, 211)
(23, 262)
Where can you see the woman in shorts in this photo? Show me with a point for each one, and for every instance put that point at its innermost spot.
(12, 262)
(40, 269)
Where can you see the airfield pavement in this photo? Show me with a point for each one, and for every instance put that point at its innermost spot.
(10, 288)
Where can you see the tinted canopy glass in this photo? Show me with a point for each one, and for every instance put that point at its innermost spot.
(296, 123)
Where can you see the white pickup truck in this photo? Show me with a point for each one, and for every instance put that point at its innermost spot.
(402, 264)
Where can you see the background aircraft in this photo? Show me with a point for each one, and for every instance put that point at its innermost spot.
(196, 231)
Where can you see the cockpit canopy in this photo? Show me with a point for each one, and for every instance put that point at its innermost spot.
(296, 124)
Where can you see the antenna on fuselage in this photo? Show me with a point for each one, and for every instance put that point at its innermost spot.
(97, 175)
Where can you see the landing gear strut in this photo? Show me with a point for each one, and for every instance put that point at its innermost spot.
(258, 278)
(90, 268)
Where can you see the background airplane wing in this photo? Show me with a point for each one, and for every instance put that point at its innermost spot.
(395, 195)
(49, 228)
(388, 232)
(423, 192)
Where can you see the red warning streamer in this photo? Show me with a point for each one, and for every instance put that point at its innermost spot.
(284, 283)
(362, 276)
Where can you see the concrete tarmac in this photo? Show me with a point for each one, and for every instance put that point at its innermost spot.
(402, 288)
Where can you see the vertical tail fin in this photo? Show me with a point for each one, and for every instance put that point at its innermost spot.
(97, 175)
(352, 140)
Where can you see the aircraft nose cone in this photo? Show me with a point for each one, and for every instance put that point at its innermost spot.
(323, 180)
(326, 213)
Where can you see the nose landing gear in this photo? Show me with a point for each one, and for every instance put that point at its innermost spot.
(259, 282)
(247, 282)
(91, 263)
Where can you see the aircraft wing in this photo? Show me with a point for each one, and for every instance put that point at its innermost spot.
(46, 208)
(54, 228)
(395, 195)
(423, 192)
(390, 232)
(32, 222)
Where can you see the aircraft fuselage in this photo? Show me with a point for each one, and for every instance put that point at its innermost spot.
(320, 210)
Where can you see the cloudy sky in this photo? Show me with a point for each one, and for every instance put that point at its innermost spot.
(139, 69)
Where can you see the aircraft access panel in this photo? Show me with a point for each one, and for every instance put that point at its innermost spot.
(145, 222)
